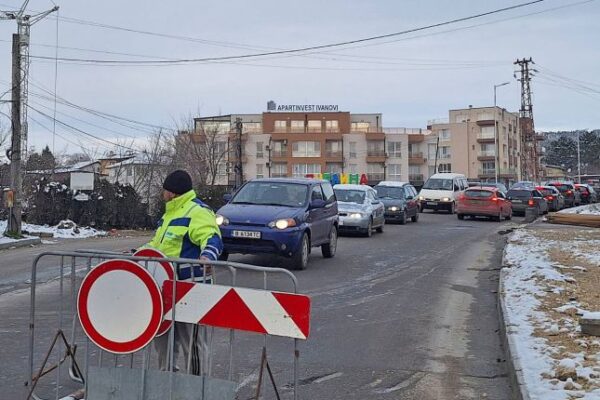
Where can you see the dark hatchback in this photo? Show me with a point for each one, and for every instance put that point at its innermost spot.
(567, 189)
(281, 216)
(400, 201)
(521, 199)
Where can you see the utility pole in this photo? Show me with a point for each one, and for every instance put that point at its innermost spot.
(578, 160)
(20, 72)
(239, 173)
(529, 154)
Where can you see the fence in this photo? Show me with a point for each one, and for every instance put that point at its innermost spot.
(62, 358)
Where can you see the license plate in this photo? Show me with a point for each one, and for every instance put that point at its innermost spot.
(246, 234)
(432, 203)
(517, 201)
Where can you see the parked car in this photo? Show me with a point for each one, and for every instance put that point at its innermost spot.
(499, 185)
(400, 201)
(555, 200)
(441, 191)
(473, 184)
(486, 201)
(521, 199)
(586, 193)
(567, 189)
(359, 209)
(281, 216)
(523, 185)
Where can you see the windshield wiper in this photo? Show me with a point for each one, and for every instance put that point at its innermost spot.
(274, 204)
(243, 202)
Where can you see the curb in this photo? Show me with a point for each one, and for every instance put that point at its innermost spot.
(515, 370)
(20, 243)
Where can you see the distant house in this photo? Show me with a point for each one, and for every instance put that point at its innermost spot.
(73, 175)
(112, 159)
(139, 172)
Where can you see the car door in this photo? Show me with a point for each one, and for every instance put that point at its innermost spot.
(317, 217)
(409, 198)
(331, 210)
(377, 206)
(540, 202)
(505, 205)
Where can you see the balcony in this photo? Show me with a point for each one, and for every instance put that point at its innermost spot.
(416, 138)
(314, 129)
(486, 155)
(485, 137)
(415, 178)
(376, 156)
(296, 129)
(416, 158)
(508, 173)
(486, 173)
(333, 154)
(375, 178)
(486, 122)
(279, 153)
(437, 121)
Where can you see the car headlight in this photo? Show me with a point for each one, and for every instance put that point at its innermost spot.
(394, 208)
(356, 215)
(445, 198)
(282, 223)
(221, 220)
(421, 198)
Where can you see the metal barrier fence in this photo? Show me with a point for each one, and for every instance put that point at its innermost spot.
(61, 356)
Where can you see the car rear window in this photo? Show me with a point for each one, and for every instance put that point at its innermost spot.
(582, 189)
(562, 188)
(519, 194)
(478, 194)
(546, 192)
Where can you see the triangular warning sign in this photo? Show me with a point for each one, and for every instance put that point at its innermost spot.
(231, 312)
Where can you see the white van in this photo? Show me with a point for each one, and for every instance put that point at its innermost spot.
(441, 191)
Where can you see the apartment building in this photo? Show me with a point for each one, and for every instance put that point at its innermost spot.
(473, 140)
(294, 144)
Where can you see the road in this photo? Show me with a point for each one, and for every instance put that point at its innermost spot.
(410, 313)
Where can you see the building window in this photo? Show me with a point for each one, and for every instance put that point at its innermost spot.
(222, 169)
(334, 168)
(260, 173)
(445, 167)
(444, 152)
(314, 126)
(297, 126)
(279, 170)
(487, 150)
(252, 127)
(394, 149)
(352, 149)
(445, 134)
(332, 126)
(279, 148)
(375, 171)
(306, 149)
(431, 151)
(394, 172)
(488, 167)
(259, 150)
(485, 117)
(360, 126)
(280, 126)
(301, 170)
(487, 132)
(333, 148)
(375, 148)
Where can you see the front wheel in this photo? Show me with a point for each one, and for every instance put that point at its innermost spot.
(328, 249)
(403, 218)
(451, 208)
(300, 259)
(369, 231)
(460, 216)
(415, 218)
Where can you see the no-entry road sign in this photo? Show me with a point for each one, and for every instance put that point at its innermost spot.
(120, 306)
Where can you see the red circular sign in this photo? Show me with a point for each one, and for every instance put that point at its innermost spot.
(160, 271)
(120, 306)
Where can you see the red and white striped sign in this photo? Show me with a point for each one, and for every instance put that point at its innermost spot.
(253, 310)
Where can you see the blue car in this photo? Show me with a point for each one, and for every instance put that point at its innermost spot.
(281, 216)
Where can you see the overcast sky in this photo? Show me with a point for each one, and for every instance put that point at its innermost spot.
(409, 79)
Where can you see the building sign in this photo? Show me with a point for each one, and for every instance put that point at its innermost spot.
(272, 106)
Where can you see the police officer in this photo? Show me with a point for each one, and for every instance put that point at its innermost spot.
(187, 229)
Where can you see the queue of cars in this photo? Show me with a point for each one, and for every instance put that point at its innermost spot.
(290, 217)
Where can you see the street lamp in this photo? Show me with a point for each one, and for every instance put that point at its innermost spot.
(496, 156)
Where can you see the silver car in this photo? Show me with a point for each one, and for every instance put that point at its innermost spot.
(359, 209)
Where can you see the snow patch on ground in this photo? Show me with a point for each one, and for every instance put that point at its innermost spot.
(529, 277)
(589, 209)
(70, 233)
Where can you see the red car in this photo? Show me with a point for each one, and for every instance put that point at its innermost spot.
(483, 201)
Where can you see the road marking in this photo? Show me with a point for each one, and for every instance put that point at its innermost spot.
(328, 377)
(404, 384)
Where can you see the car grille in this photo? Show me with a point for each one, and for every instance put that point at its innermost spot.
(343, 214)
(246, 223)
(266, 244)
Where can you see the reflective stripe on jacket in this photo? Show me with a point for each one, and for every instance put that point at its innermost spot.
(188, 229)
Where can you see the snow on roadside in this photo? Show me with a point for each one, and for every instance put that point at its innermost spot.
(68, 233)
(589, 209)
(558, 363)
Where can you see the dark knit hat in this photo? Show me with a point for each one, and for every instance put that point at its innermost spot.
(178, 182)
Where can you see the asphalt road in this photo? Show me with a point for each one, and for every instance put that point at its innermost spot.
(410, 313)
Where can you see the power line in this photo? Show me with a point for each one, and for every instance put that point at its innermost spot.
(298, 50)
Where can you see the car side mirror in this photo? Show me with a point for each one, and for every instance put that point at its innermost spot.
(227, 197)
(409, 197)
(375, 202)
(317, 203)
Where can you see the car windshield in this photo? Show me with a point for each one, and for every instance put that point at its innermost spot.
(350, 196)
(389, 192)
(478, 194)
(438, 184)
(519, 194)
(273, 194)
